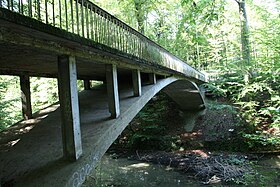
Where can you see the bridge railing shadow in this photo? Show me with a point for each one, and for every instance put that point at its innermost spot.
(83, 18)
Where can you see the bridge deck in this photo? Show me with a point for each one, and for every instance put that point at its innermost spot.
(35, 157)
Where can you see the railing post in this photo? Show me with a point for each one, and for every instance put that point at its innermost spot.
(112, 90)
(87, 84)
(69, 106)
(152, 78)
(136, 80)
(25, 97)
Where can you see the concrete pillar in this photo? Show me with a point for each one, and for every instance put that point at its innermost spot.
(25, 97)
(87, 84)
(136, 79)
(69, 106)
(112, 90)
(152, 78)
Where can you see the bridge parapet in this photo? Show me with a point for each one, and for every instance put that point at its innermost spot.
(89, 21)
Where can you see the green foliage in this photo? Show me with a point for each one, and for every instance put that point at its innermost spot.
(10, 106)
(258, 101)
(149, 129)
(215, 89)
(44, 92)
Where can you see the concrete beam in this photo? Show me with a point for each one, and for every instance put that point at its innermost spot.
(25, 97)
(112, 90)
(152, 78)
(69, 106)
(87, 84)
(136, 79)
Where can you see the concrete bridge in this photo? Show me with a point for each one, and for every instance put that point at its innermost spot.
(70, 40)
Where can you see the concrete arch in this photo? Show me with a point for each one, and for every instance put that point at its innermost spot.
(186, 94)
(177, 89)
(98, 132)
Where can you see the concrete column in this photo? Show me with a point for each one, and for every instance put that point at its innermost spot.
(25, 97)
(152, 78)
(87, 84)
(69, 106)
(136, 79)
(112, 90)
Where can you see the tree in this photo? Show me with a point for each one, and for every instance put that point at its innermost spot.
(140, 14)
(244, 32)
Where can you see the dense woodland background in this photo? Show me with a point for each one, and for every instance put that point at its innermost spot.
(236, 42)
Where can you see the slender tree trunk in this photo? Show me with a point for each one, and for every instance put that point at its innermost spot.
(140, 15)
(244, 32)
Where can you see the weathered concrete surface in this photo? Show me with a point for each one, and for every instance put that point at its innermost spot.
(180, 90)
(30, 47)
(34, 158)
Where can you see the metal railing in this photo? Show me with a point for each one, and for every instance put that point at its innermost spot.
(87, 20)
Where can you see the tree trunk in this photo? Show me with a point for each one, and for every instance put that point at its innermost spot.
(140, 15)
(244, 32)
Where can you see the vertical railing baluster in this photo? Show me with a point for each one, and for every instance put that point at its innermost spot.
(72, 16)
(121, 37)
(12, 4)
(95, 25)
(91, 23)
(114, 34)
(87, 23)
(60, 16)
(8, 4)
(98, 27)
(118, 36)
(82, 19)
(105, 29)
(66, 14)
(101, 28)
(126, 38)
(77, 17)
(135, 45)
(109, 31)
(19, 6)
(30, 8)
(132, 43)
(127, 41)
(139, 46)
(46, 9)
(39, 9)
(53, 12)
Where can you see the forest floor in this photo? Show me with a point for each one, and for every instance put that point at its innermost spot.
(213, 151)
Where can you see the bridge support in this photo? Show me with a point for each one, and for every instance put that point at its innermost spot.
(152, 78)
(69, 106)
(87, 84)
(25, 97)
(136, 79)
(112, 90)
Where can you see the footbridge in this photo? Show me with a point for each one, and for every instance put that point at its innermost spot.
(70, 40)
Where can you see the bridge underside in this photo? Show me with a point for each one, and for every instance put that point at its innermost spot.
(33, 155)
